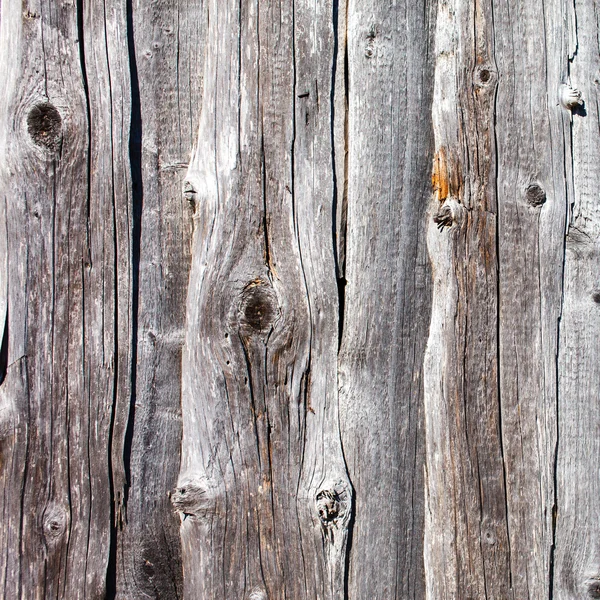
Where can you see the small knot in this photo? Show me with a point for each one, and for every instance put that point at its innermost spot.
(535, 195)
(44, 125)
(596, 297)
(449, 213)
(570, 97)
(328, 506)
(54, 523)
(257, 594)
(258, 308)
(189, 193)
(333, 506)
(484, 75)
(594, 588)
(370, 47)
(195, 498)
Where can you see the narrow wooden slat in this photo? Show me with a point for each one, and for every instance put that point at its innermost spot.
(388, 291)
(467, 553)
(577, 554)
(165, 44)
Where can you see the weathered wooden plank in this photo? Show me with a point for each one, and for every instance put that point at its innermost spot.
(387, 296)
(65, 192)
(263, 493)
(466, 540)
(577, 547)
(165, 48)
(532, 141)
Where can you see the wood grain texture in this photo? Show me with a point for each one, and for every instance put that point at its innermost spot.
(577, 554)
(165, 50)
(466, 537)
(388, 291)
(263, 494)
(61, 184)
(532, 136)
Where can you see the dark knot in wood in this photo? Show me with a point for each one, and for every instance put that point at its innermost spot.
(258, 307)
(44, 125)
(333, 506)
(54, 523)
(535, 195)
(485, 75)
(328, 506)
(443, 217)
(596, 297)
(594, 589)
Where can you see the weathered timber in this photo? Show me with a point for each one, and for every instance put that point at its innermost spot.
(263, 494)
(388, 291)
(63, 189)
(577, 546)
(466, 539)
(299, 300)
(533, 153)
(165, 45)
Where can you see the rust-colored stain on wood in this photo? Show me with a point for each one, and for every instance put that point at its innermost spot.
(439, 175)
(445, 176)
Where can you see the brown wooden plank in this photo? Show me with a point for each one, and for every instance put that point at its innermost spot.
(65, 191)
(532, 140)
(466, 539)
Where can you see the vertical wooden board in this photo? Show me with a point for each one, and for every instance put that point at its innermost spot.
(466, 542)
(166, 43)
(532, 140)
(577, 548)
(263, 494)
(61, 274)
(387, 295)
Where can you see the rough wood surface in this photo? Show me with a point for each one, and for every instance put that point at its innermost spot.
(64, 194)
(466, 545)
(388, 291)
(384, 380)
(577, 554)
(263, 493)
(165, 45)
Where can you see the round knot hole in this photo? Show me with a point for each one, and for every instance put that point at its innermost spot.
(44, 125)
(258, 307)
(535, 195)
(596, 297)
(484, 75)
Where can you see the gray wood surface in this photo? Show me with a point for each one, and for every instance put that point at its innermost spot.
(388, 291)
(577, 554)
(299, 300)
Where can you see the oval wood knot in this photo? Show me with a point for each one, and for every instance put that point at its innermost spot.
(44, 125)
(257, 594)
(332, 503)
(535, 195)
(485, 75)
(258, 308)
(54, 523)
(195, 498)
(450, 212)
